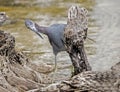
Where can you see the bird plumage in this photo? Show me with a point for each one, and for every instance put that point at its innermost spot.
(55, 36)
(54, 32)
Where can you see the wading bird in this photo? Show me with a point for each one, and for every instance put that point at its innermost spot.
(55, 35)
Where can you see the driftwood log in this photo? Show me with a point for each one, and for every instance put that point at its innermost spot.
(90, 81)
(17, 73)
(74, 36)
(13, 74)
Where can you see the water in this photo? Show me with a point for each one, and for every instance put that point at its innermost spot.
(107, 15)
(104, 25)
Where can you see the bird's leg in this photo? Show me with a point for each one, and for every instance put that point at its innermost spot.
(55, 69)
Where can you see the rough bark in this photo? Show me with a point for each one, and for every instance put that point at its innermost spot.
(74, 36)
(16, 74)
(90, 81)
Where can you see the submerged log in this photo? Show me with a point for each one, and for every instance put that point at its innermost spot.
(74, 36)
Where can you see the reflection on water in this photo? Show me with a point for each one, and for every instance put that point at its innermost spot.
(104, 23)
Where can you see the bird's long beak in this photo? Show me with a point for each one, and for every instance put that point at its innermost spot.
(39, 34)
(31, 25)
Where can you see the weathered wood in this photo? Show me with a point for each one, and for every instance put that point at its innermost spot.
(90, 81)
(3, 17)
(74, 35)
(16, 74)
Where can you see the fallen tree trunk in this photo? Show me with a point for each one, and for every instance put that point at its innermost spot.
(90, 81)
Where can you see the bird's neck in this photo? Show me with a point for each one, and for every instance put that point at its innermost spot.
(41, 29)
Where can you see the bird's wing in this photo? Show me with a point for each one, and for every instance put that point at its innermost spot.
(55, 35)
(53, 43)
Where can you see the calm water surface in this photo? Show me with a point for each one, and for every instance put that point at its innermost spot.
(104, 25)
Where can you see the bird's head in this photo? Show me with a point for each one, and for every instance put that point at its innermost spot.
(3, 17)
(31, 25)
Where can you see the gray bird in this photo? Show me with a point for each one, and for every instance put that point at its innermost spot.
(54, 33)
